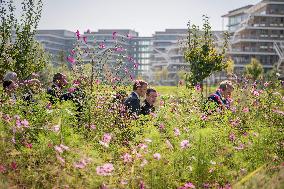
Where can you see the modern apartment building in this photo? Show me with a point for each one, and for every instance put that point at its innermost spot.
(115, 45)
(257, 32)
(57, 42)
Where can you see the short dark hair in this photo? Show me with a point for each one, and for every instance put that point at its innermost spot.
(7, 83)
(151, 90)
(225, 85)
(57, 76)
(139, 83)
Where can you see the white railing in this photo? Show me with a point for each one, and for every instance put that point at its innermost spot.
(279, 48)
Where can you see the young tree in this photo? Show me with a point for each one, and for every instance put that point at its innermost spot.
(19, 51)
(254, 69)
(202, 55)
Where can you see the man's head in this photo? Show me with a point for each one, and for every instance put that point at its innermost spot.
(11, 76)
(9, 85)
(226, 88)
(140, 87)
(151, 96)
(60, 79)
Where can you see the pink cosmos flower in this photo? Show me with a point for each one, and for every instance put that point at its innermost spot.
(246, 109)
(25, 123)
(14, 165)
(71, 60)
(162, 126)
(106, 140)
(85, 39)
(119, 49)
(129, 36)
(123, 182)
(29, 145)
(71, 90)
(141, 185)
(184, 144)
(48, 106)
(58, 149)
(105, 170)
(144, 162)
(78, 34)
(56, 128)
(142, 146)
(135, 65)
(2, 168)
(203, 117)
(93, 127)
(102, 46)
(255, 93)
(72, 51)
(157, 156)
(130, 59)
(60, 159)
(189, 185)
(197, 88)
(64, 147)
(82, 164)
(232, 137)
(114, 35)
(127, 158)
(176, 132)
(240, 147)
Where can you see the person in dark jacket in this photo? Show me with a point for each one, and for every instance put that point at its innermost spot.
(148, 105)
(223, 95)
(132, 103)
(56, 90)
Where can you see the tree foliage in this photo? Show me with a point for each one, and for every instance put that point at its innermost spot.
(254, 69)
(202, 55)
(19, 51)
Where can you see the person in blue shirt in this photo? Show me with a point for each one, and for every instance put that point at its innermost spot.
(223, 95)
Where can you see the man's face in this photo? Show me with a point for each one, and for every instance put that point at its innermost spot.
(141, 91)
(151, 98)
(62, 81)
(228, 92)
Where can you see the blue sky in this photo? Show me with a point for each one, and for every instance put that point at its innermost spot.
(144, 16)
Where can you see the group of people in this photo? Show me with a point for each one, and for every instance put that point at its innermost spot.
(133, 103)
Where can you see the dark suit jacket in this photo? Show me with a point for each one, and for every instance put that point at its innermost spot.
(133, 104)
(146, 108)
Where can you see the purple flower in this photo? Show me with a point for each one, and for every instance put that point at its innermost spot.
(197, 88)
(102, 46)
(25, 123)
(246, 109)
(85, 39)
(157, 156)
(177, 132)
(232, 137)
(105, 170)
(71, 60)
(60, 159)
(184, 144)
(141, 185)
(127, 158)
(204, 117)
(78, 34)
(114, 35)
(71, 90)
(2, 168)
